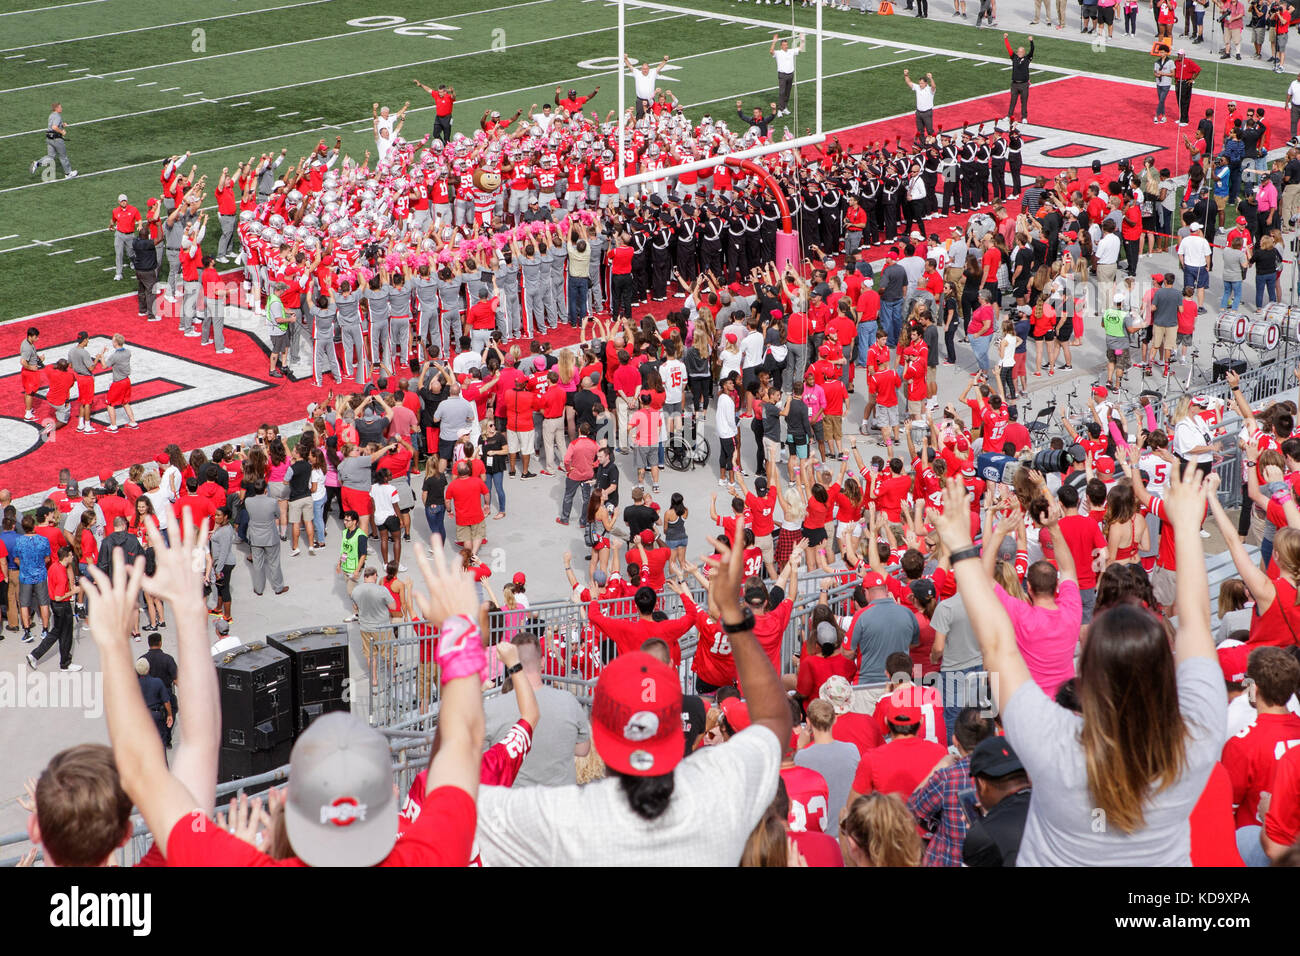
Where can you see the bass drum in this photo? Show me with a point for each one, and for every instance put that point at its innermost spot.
(1287, 320)
(1262, 335)
(1230, 327)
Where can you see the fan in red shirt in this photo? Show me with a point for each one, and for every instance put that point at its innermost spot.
(1251, 757)
(467, 495)
(629, 635)
(850, 727)
(809, 798)
(905, 695)
(901, 764)
(821, 660)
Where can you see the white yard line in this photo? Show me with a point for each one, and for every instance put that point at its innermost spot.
(88, 259)
(150, 83)
(294, 113)
(349, 76)
(164, 26)
(279, 46)
(241, 103)
(263, 109)
(57, 6)
(58, 252)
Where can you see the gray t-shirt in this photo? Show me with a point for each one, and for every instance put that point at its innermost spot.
(837, 762)
(349, 306)
(1064, 827)
(28, 353)
(453, 415)
(1166, 305)
(119, 360)
(884, 628)
(399, 299)
(324, 319)
(1234, 264)
(532, 266)
(960, 647)
(373, 604)
(80, 359)
(354, 472)
(426, 294)
(893, 283)
(449, 292)
(562, 725)
(377, 300)
(507, 276)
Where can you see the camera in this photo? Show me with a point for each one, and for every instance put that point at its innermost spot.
(1050, 460)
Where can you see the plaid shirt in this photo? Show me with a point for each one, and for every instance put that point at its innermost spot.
(935, 806)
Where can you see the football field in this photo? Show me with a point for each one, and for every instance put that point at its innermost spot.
(140, 81)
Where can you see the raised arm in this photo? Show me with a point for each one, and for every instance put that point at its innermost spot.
(763, 691)
(989, 620)
(1184, 507)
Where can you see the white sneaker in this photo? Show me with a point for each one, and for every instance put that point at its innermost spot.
(29, 416)
(73, 174)
(349, 619)
(31, 662)
(225, 351)
(71, 668)
(295, 552)
(192, 334)
(401, 568)
(112, 429)
(89, 431)
(117, 278)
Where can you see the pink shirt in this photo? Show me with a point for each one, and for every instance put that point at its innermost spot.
(1266, 196)
(1047, 637)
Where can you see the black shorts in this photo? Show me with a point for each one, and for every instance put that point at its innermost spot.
(727, 455)
(1048, 336)
(1106, 14)
(814, 536)
(223, 583)
(391, 524)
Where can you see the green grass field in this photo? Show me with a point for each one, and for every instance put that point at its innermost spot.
(226, 81)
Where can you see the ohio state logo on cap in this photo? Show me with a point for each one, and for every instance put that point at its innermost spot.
(343, 812)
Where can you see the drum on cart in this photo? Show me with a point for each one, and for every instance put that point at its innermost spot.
(1230, 327)
(1287, 319)
(1262, 335)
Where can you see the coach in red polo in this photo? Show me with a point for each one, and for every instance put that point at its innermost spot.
(125, 217)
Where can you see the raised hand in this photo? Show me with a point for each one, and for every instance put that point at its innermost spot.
(450, 590)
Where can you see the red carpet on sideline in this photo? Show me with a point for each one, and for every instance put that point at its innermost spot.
(187, 394)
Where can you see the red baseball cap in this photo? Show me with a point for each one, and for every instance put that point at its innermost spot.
(647, 536)
(737, 713)
(161, 459)
(734, 288)
(636, 716)
(104, 475)
(1105, 466)
(1099, 391)
(905, 717)
(1233, 659)
(519, 578)
(1241, 220)
(872, 580)
(733, 337)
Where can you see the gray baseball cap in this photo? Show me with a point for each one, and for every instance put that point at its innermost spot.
(342, 809)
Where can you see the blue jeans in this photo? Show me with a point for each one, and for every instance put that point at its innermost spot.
(866, 339)
(496, 482)
(1231, 294)
(980, 346)
(959, 691)
(1262, 283)
(1252, 854)
(318, 517)
(1161, 93)
(891, 319)
(579, 288)
(435, 517)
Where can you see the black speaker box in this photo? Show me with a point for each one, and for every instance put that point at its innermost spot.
(236, 763)
(256, 698)
(318, 671)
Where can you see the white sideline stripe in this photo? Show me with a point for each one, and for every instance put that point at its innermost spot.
(55, 66)
(313, 119)
(58, 252)
(294, 113)
(123, 79)
(195, 93)
(263, 109)
(12, 236)
(243, 103)
(41, 60)
(349, 76)
(80, 69)
(164, 26)
(150, 83)
(57, 6)
(88, 259)
(280, 46)
(106, 269)
(13, 56)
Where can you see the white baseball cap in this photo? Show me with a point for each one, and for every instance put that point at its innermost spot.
(1195, 227)
(121, 197)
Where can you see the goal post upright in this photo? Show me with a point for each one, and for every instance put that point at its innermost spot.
(787, 242)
